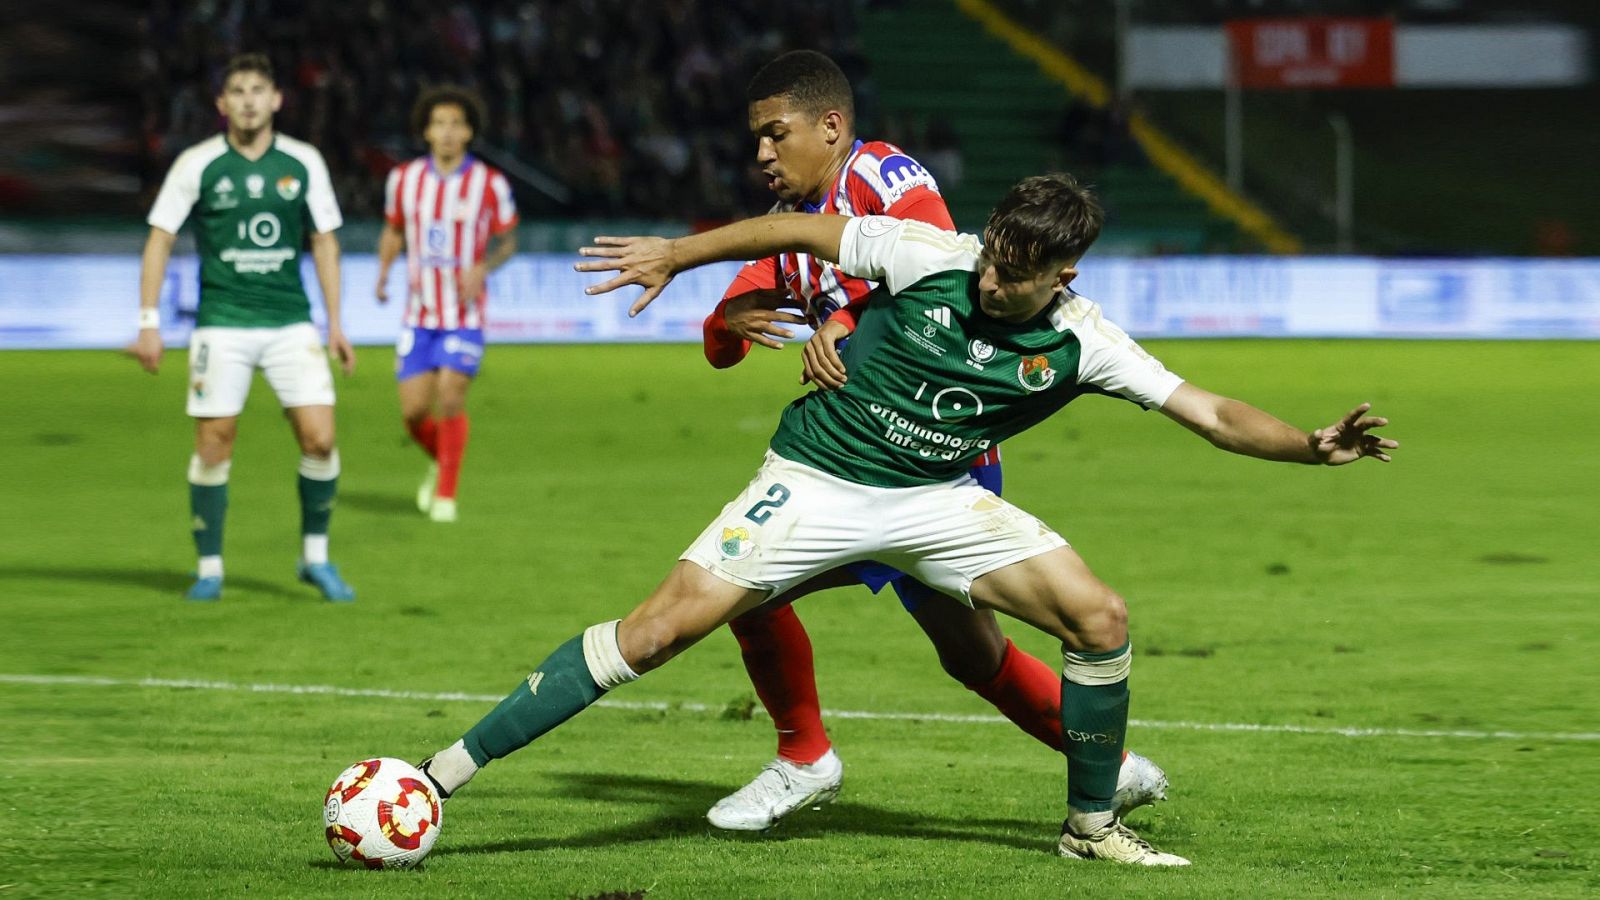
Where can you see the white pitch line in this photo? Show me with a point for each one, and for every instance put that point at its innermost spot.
(661, 706)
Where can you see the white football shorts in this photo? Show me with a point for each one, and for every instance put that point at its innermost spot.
(223, 361)
(794, 522)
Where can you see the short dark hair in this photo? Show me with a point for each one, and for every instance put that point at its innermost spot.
(448, 95)
(812, 81)
(1042, 221)
(247, 62)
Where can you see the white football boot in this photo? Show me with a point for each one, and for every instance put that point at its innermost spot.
(442, 510)
(780, 789)
(425, 490)
(1139, 783)
(1115, 843)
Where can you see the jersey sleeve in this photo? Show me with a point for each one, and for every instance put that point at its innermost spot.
(722, 347)
(179, 192)
(898, 253)
(885, 180)
(1114, 362)
(321, 203)
(504, 217)
(392, 207)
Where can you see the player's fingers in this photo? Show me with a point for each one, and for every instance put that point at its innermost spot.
(650, 293)
(605, 265)
(1355, 414)
(787, 317)
(606, 240)
(606, 287)
(775, 331)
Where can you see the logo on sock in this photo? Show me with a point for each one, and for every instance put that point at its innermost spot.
(736, 543)
(533, 682)
(1083, 737)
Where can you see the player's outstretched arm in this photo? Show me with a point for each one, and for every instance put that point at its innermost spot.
(652, 262)
(1241, 428)
(152, 272)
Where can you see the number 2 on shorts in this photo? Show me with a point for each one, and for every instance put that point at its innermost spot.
(777, 495)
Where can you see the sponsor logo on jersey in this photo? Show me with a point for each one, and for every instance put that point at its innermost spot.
(224, 185)
(288, 187)
(1034, 373)
(900, 174)
(939, 314)
(736, 543)
(225, 198)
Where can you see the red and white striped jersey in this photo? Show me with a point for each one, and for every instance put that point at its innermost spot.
(877, 179)
(447, 224)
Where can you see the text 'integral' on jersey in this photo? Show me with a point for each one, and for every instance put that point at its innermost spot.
(935, 381)
(447, 221)
(251, 219)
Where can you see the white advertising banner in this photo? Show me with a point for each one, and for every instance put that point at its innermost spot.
(90, 301)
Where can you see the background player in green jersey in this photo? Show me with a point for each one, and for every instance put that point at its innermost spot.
(963, 345)
(257, 198)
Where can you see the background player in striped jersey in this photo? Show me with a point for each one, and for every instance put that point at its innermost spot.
(252, 193)
(802, 116)
(455, 217)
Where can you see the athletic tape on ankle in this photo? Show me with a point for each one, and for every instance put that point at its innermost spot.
(208, 476)
(604, 656)
(1097, 668)
(320, 469)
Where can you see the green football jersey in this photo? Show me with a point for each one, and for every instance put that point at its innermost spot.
(251, 220)
(934, 380)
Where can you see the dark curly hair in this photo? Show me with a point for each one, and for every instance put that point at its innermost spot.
(466, 99)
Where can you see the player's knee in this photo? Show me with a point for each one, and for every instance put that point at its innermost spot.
(976, 666)
(1099, 623)
(647, 643)
(450, 407)
(317, 446)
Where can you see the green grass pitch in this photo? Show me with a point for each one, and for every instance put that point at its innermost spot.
(1451, 594)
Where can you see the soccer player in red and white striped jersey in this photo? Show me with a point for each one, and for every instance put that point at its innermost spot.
(455, 217)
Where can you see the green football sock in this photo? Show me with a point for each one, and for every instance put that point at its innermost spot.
(319, 485)
(1094, 723)
(560, 688)
(208, 507)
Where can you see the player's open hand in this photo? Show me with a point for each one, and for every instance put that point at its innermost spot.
(645, 261)
(820, 360)
(340, 347)
(381, 291)
(147, 349)
(755, 316)
(1351, 438)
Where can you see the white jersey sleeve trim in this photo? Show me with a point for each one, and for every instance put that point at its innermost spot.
(181, 189)
(1111, 360)
(324, 207)
(898, 253)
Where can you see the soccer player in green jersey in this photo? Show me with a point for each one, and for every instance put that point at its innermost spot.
(964, 344)
(257, 197)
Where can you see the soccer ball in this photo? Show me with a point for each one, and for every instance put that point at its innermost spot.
(382, 813)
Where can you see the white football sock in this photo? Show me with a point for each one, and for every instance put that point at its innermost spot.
(452, 767)
(210, 567)
(314, 549)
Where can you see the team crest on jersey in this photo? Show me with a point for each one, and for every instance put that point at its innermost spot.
(979, 352)
(1034, 373)
(288, 187)
(736, 543)
(254, 185)
(900, 174)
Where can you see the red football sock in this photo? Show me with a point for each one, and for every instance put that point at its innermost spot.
(1027, 692)
(452, 446)
(777, 655)
(425, 431)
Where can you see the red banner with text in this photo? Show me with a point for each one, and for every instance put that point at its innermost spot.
(1312, 52)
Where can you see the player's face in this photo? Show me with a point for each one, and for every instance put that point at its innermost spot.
(448, 133)
(1010, 295)
(248, 100)
(796, 151)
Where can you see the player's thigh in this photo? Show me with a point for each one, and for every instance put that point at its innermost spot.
(689, 604)
(452, 391)
(296, 366)
(948, 535)
(417, 393)
(1057, 593)
(789, 524)
(969, 641)
(313, 428)
(222, 363)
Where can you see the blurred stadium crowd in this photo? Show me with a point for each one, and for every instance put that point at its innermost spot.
(634, 107)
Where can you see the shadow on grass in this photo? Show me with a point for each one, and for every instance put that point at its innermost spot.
(672, 808)
(372, 501)
(169, 583)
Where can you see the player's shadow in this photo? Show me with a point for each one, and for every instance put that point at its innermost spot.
(677, 807)
(162, 581)
(377, 502)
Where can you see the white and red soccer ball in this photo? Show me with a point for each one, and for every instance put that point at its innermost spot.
(382, 813)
